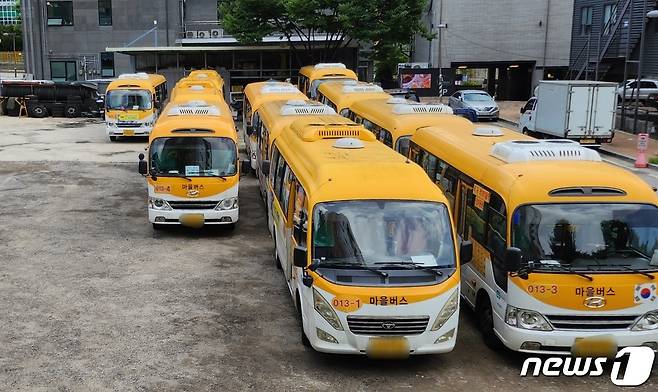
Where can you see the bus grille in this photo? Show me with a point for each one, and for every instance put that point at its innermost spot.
(365, 325)
(193, 205)
(592, 322)
(131, 124)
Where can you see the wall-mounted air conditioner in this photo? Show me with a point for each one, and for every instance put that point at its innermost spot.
(216, 33)
(203, 34)
(190, 34)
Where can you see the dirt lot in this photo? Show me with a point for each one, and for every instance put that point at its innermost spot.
(91, 298)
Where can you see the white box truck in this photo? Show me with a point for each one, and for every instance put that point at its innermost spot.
(583, 111)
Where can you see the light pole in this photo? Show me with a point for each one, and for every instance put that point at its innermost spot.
(646, 16)
(13, 55)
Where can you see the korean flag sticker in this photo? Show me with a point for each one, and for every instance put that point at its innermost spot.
(645, 293)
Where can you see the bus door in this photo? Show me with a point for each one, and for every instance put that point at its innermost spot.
(282, 228)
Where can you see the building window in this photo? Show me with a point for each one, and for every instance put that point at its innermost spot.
(9, 14)
(105, 13)
(60, 13)
(107, 64)
(585, 20)
(609, 17)
(62, 71)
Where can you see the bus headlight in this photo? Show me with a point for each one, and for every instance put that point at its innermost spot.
(526, 319)
(648, 322)
(322, 306)
(159, 204)
(448, 310)
(227, 204)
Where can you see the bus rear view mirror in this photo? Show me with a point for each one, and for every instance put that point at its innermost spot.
(512, 259)
(245, 166)
(143, 167)
(249, 130)
(265, 168)
(465, 252)
(299, 257)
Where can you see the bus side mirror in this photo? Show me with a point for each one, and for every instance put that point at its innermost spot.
(249, 130)
(522, 110)
(300, 256)
(465, 252)
(143, 166)
(265, 168)
(512, 259)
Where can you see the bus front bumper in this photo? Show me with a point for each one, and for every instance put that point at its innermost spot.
(123, 132)
(178, 217)
(560, 341)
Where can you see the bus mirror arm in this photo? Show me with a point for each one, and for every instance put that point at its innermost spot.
(465, 252)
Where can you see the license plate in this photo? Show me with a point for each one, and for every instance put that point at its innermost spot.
(595, 346)
(588, 141)
(388, 348)
(128, 132)
(195, 221)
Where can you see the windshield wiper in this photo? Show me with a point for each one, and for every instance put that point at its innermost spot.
(413, 266)
(215, 176)
(629, 268)
(352, 266)
(531, 267)
(182, 176)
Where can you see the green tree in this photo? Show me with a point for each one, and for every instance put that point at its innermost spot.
(389, 25)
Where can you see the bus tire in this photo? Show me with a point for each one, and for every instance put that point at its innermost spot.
(484, 314)
(38, 111)
(113, 138)
(158, 226)
(71, 111)
(305, 341)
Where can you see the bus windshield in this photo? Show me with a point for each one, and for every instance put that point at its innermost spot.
(313, 91)
(128, 100)
(194, 156)
(587, 236)
(377, 232)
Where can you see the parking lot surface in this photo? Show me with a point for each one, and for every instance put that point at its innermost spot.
(92, 298)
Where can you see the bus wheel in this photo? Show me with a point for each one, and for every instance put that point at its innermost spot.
(38, 111)
(305, 341)
(113, 138)
(158, 227)
(71, 111)
(484, 314)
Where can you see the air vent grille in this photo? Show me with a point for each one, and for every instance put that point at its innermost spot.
(530, 150)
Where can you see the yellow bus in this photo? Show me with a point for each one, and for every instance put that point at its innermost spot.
(272, 117)
(209, 75)
(371, 265)
(255, 95)
(565, 247)
(132, 104)
(394, 120)
(341, 95)
(190, 86)
(192, 167)
(312, 76)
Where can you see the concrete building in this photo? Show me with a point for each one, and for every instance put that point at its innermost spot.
(89, 39)
(9, 12)
(606, 34)
(508, 44)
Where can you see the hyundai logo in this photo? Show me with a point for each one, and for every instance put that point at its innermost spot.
(594, 302)
(388, 325)
(192, 193)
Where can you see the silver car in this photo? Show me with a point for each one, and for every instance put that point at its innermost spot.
(647, 86)
(478, 100)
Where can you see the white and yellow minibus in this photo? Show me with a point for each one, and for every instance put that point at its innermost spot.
(132, 104)
(394, 120)
(312, 76)
(270, 120)
(372, 266)
(191, 165)
(207, 75)
(255, 95)
(565, 247)
(341, 95)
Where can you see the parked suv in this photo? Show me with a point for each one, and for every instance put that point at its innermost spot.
(647, 86)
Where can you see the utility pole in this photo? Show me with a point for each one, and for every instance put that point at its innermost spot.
(13, 55)
(638, 80)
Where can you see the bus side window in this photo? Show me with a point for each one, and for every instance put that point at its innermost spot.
(496, 226)
(257, 125)
(264, 140)
(387, 138)
(449, 184)
(288, 178)
(278, 175)
(475, 217)
(247, 110)
(414, 151)
(300, 216)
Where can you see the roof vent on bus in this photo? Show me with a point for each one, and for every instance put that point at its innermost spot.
(488, 131)
(587, 191)
(362, 88)
(546, 150)
(413, 108)
(329, 65)
(197, 87)
(200, 75)
(278, 88)
(194, 108)
(349, 143)
(297, 107)
(138, 75)
(314, 132)
(397, 101)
